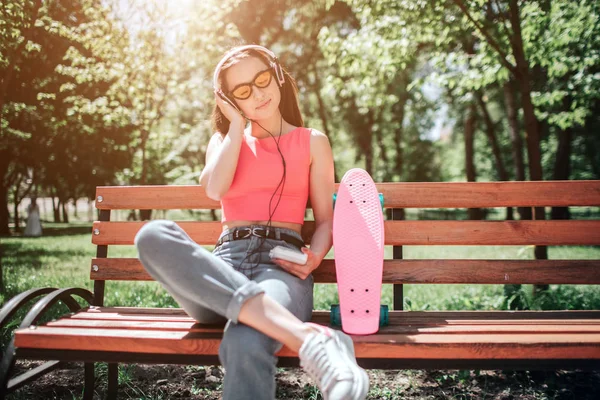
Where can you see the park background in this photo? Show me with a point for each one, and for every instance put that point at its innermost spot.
(119, 92)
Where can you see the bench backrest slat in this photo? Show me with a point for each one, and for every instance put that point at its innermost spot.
(561, 232)
(415, 271)
(397, 195)
(397, 232)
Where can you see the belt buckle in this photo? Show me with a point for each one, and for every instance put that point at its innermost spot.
(248, 232)
(257, 229)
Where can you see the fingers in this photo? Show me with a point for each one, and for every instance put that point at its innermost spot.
(220, 102)
(301, 271)
(229, 111)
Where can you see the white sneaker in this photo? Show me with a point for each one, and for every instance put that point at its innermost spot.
(328, 357)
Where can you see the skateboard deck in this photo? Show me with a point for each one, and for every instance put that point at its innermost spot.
(358, 242)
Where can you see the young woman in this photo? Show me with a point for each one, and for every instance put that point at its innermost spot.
(263, 166)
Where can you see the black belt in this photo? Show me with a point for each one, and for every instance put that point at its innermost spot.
(245, 233)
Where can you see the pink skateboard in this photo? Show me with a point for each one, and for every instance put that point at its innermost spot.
(358, 240)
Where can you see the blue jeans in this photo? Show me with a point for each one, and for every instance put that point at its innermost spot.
(212, 287)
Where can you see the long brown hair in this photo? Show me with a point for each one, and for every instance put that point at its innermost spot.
(288, 106)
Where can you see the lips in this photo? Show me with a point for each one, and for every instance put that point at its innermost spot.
(264, 105)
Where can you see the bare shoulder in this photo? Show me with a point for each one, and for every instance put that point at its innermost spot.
(217, 137)
(319, 145)
(318, 139)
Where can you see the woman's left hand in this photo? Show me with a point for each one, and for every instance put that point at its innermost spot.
(301, 271)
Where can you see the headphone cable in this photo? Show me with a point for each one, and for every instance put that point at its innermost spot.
(280, 185)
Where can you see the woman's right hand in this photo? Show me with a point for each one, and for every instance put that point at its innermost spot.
(233, 115)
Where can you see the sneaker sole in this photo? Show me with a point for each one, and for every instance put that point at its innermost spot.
(362, 379)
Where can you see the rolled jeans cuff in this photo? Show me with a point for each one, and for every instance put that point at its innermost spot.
(240, 296)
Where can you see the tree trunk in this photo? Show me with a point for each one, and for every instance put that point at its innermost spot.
(1, 270)
(474, 213)
(491, 134)
(516, 140)
(591, 154)
(144, 214)
(532, 127)
(75, 209)
(64, 211)
(55, 208)
(4, 214)
(368, 149)
(143, 176)
(322, 112)
(562, 168)
(512, 292)
(18, 198)
(399, 113)
(399, 87)
(16, 214)
(382, 149)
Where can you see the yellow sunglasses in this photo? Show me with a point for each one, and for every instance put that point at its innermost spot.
(244, 90)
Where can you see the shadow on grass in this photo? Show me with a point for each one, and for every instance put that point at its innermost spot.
(53, 229)
(27, 255)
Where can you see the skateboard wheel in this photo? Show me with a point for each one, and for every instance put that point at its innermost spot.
(381, 200)
(335, 318)
(384, 315)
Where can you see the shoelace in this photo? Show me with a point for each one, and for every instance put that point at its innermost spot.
(320, 367)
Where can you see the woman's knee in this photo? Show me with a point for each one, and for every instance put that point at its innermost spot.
(151, 234)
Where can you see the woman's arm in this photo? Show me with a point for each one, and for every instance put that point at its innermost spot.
(221, 162)
(322, 187)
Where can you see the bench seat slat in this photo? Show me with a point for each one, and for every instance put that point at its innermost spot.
(393, 345)
(563, 232)
(485, 316)
(524, 326)
(397, 317)
(397, 195)
(414, 271)
(438, 334)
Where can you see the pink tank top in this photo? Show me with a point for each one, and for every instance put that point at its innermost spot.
(258, 173)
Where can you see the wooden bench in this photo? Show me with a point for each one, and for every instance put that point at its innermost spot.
(431, 339)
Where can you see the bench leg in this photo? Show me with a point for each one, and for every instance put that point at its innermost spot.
(89, 380)
(113, 381)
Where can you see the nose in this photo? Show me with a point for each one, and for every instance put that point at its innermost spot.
(258, 93)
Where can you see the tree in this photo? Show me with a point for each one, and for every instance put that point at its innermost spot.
(61, 113)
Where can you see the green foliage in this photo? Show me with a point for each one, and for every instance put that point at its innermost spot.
(565, 42)
(66, 121)
(120, 92)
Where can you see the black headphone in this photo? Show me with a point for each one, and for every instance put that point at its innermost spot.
(274, 64)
